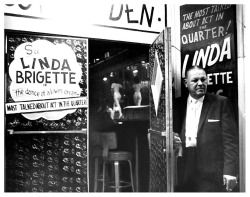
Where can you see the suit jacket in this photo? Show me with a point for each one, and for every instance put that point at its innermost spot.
(217, 137)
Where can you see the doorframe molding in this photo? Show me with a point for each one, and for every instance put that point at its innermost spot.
(240, 26)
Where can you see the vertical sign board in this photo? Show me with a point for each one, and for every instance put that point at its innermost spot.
(45, 92)
(208, 39)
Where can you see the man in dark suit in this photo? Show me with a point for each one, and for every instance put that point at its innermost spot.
(206, 132)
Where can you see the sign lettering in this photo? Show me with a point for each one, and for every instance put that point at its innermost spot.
(208, 40)
(134, 16)
(41, 71)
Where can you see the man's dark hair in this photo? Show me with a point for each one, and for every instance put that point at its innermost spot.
(192, 68)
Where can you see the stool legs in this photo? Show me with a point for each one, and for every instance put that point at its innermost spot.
(96, 174)
(103, 172)
(131, 175)
(117, 176)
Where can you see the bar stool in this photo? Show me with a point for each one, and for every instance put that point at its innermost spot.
(98, 151)
(116, 157)
(108, 140)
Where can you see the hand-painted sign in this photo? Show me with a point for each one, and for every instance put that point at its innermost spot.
(140, 16)
(41, 73)
(44, 106)
(208, 40)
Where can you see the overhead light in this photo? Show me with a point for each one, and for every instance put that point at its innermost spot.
(135, 71)
(111, 74)
(96, 60)
(106, 55)
(105, 78)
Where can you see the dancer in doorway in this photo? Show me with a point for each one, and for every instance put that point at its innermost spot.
(137, 94)
(115, 89)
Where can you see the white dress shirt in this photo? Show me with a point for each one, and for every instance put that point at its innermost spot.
(194, 107)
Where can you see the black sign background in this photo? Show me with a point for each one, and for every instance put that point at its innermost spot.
(210, 31)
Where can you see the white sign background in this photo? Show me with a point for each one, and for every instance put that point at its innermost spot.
(43, 70)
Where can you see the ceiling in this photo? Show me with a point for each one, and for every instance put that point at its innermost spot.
(98, 48)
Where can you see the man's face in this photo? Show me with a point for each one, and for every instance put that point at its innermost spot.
(196, 82)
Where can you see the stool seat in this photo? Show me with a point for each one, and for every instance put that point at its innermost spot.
(98, 152)
(119, 156)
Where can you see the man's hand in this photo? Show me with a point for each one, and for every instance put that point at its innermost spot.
(177, 141)
(230, 182)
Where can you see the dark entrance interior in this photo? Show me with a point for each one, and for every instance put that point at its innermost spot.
(109, 60)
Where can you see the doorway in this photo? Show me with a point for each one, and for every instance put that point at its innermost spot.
(123, 61)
